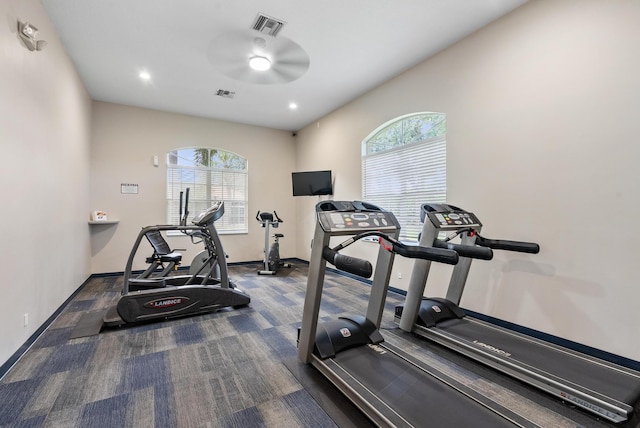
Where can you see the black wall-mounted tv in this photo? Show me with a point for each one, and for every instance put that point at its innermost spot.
(311, 183)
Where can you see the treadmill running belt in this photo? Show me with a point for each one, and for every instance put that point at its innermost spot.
(417, 396)
(618, 385)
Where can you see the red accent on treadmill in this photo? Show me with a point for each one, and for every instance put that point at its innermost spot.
(384, 244)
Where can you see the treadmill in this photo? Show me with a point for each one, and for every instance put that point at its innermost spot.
(389, 386)
(607, 390)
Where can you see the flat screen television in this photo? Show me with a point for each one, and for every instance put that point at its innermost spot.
(311, 183)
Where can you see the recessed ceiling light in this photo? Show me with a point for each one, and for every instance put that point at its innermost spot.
(293, 106)
(259, 63)
(144, 75)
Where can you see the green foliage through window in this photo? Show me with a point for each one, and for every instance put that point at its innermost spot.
(406, 130)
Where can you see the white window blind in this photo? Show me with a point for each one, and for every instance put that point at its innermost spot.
(404, 166)
(211, 175)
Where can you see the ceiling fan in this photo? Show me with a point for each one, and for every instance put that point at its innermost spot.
(282, 59)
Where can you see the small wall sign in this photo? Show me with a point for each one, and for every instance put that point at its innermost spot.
(128, 188)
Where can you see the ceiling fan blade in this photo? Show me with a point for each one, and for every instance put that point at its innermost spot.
(229, 53)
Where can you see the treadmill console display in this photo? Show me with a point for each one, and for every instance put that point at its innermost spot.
(356, 222)
(453, 219)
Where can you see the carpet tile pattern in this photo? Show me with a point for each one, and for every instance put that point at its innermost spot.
(222, 369)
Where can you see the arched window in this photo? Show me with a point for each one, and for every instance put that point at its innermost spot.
(404, 166)
(211, 175)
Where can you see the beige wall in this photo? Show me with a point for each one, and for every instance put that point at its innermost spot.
(44, 179)
(542, 145)
(124, 141)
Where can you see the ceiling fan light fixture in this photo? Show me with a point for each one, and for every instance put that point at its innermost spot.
(259, 63)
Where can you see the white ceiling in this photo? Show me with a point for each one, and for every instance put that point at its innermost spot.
(352, 47)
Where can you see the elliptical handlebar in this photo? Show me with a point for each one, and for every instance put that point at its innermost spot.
(278, 219)
(185, 214)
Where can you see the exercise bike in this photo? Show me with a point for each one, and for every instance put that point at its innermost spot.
(271, 260)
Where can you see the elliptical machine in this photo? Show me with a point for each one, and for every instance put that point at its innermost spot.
(166, 260)
(161, 297)
(271, 260)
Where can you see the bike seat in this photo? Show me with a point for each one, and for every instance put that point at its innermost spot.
(165, 258)
(279, 235)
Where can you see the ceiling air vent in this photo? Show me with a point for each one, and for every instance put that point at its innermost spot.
(267, 25)
(225, 93)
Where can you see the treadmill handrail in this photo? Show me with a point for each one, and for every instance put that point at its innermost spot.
(472, 251)
(363, 267)
(502, 244)
(440, 255)
(353, 265)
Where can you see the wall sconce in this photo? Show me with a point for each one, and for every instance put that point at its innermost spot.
(28, 33)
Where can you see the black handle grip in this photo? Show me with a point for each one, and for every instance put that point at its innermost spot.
(440, 255)
(471, 251)
(184, 215)
(180, 211)
(346, 263)
(427, 253)
(501, 244)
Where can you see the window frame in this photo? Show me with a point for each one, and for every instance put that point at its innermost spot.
(416, 139)
(231, 179)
